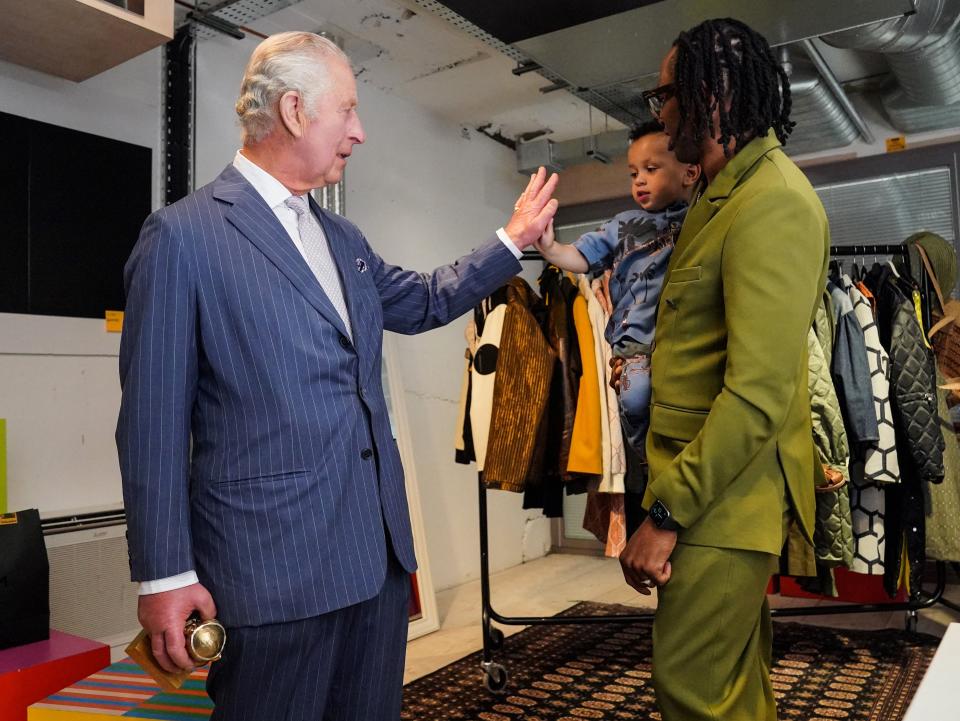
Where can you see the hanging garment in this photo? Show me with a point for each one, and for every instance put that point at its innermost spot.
(463, 433)
(483, 376)
(524, 367)
(934, 257)
(605, 518)
(558, 293)
(912, 378)
(851, 374)
(586, 446)
(877, 463)
(880, 457)
(614, 461)
(545, 491)
(919, 438)
(833, 533)
(943, 499)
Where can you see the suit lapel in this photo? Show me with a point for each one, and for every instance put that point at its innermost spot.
(715, 195)
(697, 218)
(250, 215)
(345, 257)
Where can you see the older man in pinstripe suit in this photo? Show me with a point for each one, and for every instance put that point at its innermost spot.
(260, 477)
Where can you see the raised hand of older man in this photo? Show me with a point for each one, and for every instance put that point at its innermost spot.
(534, 209)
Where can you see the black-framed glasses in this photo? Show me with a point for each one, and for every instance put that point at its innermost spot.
(657, 98)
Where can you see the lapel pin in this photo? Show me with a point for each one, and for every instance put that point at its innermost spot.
(361, 265)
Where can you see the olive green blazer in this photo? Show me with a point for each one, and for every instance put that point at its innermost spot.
(730, 423)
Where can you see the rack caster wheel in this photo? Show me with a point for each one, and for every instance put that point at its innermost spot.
(495, 638)
(494, 677)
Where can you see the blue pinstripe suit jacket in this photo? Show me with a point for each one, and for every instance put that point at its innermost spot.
(253, 435)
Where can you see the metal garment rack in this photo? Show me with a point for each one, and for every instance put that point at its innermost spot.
(496, 675)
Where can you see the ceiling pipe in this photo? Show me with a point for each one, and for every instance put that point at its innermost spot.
(831, 82)
(923, 49)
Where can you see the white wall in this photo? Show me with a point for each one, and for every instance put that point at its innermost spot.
(59, 389)
(423, 194)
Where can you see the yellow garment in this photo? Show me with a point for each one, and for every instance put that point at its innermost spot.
(586, 447)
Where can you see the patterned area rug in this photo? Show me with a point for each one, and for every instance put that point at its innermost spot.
(573, 673)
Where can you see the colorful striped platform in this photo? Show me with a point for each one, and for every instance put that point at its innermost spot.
(124, 689)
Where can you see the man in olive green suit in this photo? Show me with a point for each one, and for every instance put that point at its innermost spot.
(730, 449)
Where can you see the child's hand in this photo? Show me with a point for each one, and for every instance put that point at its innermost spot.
(616, 370)
(547, 240)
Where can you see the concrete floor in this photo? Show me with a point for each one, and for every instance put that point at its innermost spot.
(548, 585)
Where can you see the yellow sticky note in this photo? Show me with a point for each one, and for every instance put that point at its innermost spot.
(897, 143)
(114, 321)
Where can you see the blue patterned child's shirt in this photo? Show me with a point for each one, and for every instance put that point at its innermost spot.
(637, 245)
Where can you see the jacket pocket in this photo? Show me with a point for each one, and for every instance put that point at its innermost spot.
(685, 275)
(674, 422)
(263, 478)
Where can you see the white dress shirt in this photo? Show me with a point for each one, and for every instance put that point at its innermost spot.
(275, 194)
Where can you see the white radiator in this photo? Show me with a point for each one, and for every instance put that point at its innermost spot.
(91, 594)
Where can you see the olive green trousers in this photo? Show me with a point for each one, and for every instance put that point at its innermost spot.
(712, 637)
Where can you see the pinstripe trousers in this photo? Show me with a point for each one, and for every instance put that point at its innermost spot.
(345, 665)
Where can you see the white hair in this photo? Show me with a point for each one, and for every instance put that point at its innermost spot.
(292, 61)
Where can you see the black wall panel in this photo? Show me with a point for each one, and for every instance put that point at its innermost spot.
(74, 204)
(14, 214)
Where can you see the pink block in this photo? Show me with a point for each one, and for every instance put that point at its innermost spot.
(34, 671)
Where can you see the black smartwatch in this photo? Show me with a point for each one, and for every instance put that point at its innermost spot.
(660, 515)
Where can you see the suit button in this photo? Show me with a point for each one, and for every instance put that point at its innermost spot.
(345, 342)
(366, 454)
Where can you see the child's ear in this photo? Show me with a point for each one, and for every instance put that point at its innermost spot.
(691, 175)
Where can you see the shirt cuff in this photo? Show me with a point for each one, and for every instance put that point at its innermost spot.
(505, 239)
(170, 583)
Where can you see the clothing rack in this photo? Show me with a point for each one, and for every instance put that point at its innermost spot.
(496, 675)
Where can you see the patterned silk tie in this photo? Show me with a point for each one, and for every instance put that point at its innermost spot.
(317, 252)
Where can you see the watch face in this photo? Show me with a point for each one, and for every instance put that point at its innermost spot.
(659, 513)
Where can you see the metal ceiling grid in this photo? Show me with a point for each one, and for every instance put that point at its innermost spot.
(620, 102)
(237, 12)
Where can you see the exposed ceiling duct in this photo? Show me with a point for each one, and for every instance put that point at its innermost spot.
(908, 117)
(621, 47)
(822, 123)
(821, 120)
(923, 50)
(839, 95)
(607, 51)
